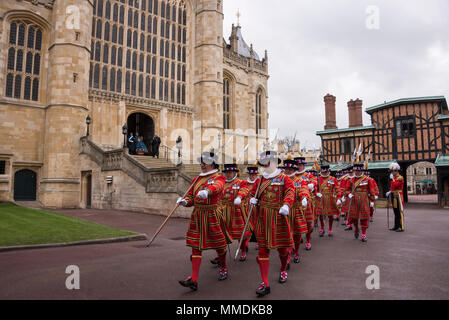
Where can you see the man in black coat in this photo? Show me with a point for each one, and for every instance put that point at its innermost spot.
(132, 144)
(156, 144)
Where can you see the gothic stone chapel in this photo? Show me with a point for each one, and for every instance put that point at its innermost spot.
(160, 67)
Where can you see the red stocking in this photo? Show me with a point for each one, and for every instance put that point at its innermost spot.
(196, 263)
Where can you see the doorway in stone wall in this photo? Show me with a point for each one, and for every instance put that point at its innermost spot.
(140, 124)
(25, 185)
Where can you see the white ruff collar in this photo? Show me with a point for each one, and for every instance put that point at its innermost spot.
(292, 175)
(232, 179)
(208, 173)
(273, 175)
(300, 172)
(251, 181)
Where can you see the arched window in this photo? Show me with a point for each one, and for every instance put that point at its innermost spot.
(133, 84)
(153, 66)
(142, 42)
(148, 69)
(153, 88)
(113, 56)
(114, 33)
(134, 61)
(106, 31)
(148, 44)
(105, 53)
(120, 57)
(119, 81)
(97, 76)
(135, 39)
(25, 44)
(140, 86)
(161, 90)
(97, 51)
(227, 103)
(142, 22)
(98, 29)
(172, 92)
(149, 24)
(115, 13)
(112, 82)
(100, 8)
(104, 79)
(107, 14)
(122, 15)
(128, 59)
(120, 36)
(136, 19)
(259, 110)
(127, 82)
(141, 63)
(147, 87)
(130, 18)
(128, 38)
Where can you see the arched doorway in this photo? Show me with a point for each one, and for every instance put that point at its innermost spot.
(422, 184)
(142, 125)
(25, 185)
(89, 191)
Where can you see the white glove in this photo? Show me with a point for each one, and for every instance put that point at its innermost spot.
(343, 199)
(350, 196)
(203, 194)
(311, 186)
(319, 195)
(371, 204)
(388, 194)
(238, 201)
(376, 197)
(182, 202)
(391, 176)
(284, 210)
(338, 202)
(253, 201)
(304, 202)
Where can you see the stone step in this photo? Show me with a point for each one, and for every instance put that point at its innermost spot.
(154, 163)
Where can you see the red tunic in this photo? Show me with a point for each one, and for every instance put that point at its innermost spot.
(327, 205)
(297, 219)
(272, 229)
(233, 215)
(206, 230)
(363, 190)
(308, 178)
(245, 194)
(397, 187)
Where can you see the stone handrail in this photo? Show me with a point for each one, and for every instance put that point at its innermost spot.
(162, 180)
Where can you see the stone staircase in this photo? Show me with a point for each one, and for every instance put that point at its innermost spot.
(154, 163)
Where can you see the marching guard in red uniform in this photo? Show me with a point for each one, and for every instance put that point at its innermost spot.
(273, 202)
(376, 193)
(205, 229)
(396, 189)
(326, 199)
(344, 199)
(361, 196)
(297, 219)
(311, 182)
(340, 189)
(244, 194)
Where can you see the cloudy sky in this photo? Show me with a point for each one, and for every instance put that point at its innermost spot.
(324, 46)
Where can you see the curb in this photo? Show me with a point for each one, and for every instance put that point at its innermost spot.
(138, 237)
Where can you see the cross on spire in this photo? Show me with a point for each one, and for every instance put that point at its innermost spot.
(238, 17)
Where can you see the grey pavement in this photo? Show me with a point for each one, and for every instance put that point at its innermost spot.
(413, 264)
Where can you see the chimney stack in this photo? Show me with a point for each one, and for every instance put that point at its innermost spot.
(331, 118)
(355, 113)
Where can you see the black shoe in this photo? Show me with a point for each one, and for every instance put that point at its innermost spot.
(215, 261)
(297, 259)
(262, 290)
(283, 277)
(288, 266)
(189, 284)
(356, 235)
(399, 230)
(223, 274)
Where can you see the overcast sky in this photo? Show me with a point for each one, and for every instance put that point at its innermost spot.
(324, 46)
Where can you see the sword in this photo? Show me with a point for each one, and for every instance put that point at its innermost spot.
(247, 221)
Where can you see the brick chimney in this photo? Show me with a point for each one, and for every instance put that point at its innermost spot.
(355, 113)
(331, 118)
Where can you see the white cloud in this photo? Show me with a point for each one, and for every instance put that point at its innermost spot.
(323, 46)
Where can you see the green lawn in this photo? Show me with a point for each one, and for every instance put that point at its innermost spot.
(24, 226)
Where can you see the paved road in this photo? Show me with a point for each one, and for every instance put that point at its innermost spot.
(413, 265)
